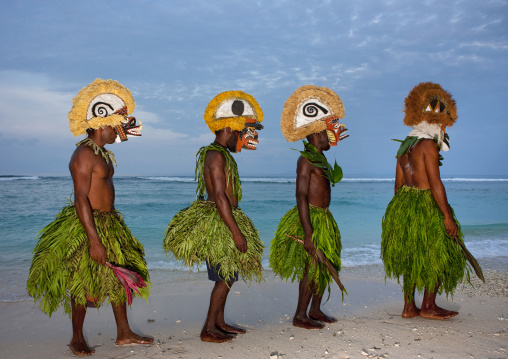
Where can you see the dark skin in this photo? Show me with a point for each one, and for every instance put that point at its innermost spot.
(311, 188)
(215, 328)
(94, 190)
(421, 169)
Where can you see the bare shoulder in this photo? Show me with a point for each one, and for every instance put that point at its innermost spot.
(427, 145)
(214, 158)
(83, 156)
(304, 164)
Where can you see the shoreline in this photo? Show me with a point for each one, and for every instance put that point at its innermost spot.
(369, 323)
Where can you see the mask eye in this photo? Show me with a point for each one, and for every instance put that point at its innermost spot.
(235, 108)
(436, 106)
(310, 111)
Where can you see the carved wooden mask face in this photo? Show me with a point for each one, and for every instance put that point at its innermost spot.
(336, 131)
(128, 127)
(248, 137)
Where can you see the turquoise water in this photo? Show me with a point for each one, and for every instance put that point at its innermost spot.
(148, 204)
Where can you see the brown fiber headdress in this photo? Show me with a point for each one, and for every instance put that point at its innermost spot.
(306, 109)
(428, 102)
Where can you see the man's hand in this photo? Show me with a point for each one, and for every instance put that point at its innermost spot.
(308, 245)
(241, 242)
(98, 253)
(450, 227)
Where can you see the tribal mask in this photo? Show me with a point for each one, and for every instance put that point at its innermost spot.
(248, 137)
(104, 103)
(128, 127)
(233, 109)
(307, 110)
(428, 102)
(336, 131)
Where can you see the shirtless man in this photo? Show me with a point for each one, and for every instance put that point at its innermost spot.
(234, 117)
(92, 170)
(313, 195)
(419, 228)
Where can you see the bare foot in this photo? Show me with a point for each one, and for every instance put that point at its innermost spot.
(410, 311)
(215, 336)
(322, 317)
(80, 348)
(436, 312)
(230, 329)
(307, 323)
(133, 338)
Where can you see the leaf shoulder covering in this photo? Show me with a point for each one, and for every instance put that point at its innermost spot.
(232, 179)
(333, 174)
(408, 143)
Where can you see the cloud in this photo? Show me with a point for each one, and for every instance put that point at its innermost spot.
(30, 106)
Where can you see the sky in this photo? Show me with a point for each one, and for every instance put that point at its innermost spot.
(176, 56)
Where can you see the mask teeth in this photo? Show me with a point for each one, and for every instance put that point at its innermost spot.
(331, 136)
(121, 133)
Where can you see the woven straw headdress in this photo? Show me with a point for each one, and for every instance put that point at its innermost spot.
(306, 109)
(96, 104)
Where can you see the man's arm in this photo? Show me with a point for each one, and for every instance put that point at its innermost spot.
(431, 158)
(303, 173)
(216, 163)
(399, 176)
(81, 167)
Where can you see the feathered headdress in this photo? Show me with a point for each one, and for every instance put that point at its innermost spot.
(231, 109)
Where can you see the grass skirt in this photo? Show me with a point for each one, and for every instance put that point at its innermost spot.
(62, 267)
(415, 245)
(198, 233)
(288, 257)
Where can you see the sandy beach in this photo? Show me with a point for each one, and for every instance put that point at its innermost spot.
(369, 322)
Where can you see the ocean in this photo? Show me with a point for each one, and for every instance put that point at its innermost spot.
(149, 203)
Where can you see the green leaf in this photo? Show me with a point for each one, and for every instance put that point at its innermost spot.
(337, 173)
(317, 159)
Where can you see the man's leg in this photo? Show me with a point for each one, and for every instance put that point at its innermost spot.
(315, 310)
(221, 323)
(78, 343)
(124, 333)
(410, 308)
(218, 297)
(431, 310)
(304, 296)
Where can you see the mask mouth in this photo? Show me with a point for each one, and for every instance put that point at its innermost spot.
(129, 127)
(248, 137)
(335, 131)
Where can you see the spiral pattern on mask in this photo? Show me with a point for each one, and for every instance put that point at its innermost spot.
(100, 109)
(312, 109)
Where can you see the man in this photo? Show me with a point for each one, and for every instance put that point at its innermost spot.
(421, 238)
(216, 230)
(72, 257)
(311, 112)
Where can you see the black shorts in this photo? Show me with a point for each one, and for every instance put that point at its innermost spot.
(213, 273)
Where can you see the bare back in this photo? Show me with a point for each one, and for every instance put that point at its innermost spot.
(419, 167)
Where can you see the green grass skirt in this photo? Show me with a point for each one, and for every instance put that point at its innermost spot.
(415, 245)
(198, 233)
(288, 257)
(62, 267)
